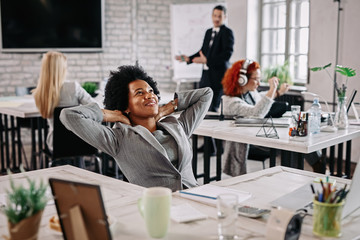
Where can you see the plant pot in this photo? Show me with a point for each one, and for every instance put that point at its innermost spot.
(26, 229)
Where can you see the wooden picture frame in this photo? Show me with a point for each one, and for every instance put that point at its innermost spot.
(80, 209)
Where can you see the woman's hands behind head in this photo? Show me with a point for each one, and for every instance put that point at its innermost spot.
(165, 110)
(115, 116)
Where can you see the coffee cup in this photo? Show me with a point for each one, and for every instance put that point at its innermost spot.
(154, 206)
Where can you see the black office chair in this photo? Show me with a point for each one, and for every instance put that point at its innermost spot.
(257, 153)
(67, 145)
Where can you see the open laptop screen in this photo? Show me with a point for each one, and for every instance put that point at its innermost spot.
(352, 200)
(302, 197)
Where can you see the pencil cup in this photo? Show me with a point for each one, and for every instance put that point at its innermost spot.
(154, 206)
(327, 219)
(227, 212)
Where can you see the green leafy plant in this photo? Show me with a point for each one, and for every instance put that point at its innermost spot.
(280, 71)
(346, 71)
(24, 202)
(90, 87)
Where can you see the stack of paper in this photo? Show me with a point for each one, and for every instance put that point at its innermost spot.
(208, 193)
(186, 213)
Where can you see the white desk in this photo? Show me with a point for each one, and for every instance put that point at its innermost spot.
(225, 130)
(116, 193)
(19, 106)
(120, 200)
(12, 111)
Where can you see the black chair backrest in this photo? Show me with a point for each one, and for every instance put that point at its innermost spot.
(66, 143)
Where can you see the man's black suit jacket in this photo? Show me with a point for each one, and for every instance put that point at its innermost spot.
(218, 56)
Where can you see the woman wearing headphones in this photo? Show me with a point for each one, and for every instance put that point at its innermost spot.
(241, 98)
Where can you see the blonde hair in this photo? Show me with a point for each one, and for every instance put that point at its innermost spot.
(52, 76)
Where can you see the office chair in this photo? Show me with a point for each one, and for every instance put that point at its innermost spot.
(67, 145)
(258, 154)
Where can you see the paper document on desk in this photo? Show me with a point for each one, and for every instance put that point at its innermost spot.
(258, 122)
(208, 194)
(186, 213)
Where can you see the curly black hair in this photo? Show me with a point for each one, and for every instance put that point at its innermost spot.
(117, 87)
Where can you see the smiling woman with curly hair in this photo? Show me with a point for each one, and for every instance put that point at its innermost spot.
(150, 147)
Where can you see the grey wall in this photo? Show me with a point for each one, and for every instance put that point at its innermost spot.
(322, 45)
(322, 49)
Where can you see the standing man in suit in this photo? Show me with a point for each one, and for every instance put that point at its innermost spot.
(214, 54)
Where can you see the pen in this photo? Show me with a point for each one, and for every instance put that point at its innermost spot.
(343, 196)
(328, 200)
(312, 188)
(324, 193)
(320, 197)
(197, 195)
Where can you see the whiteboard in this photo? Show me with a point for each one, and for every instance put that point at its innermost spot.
(189, 23)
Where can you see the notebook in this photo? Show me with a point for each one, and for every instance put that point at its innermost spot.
(208, 193)
(302, 197)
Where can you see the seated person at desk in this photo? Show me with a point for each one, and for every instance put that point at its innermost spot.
(150, 147)
(242, 99)
(54, 91)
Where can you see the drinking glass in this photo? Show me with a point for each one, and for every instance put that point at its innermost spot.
(227, 213)
(295, 112)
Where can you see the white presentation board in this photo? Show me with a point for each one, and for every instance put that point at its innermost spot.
(189, 23)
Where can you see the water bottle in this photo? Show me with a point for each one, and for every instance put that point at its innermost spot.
(315, 117)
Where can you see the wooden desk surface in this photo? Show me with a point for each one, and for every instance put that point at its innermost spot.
(23, 107)
(225, 130)
(117, 194)
(121, 203)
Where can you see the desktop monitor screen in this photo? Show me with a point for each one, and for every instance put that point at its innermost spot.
(42, 25)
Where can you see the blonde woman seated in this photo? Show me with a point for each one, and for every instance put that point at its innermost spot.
(241, 98)
(54, 91)
(150, 147)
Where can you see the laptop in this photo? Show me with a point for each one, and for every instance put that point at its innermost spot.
(258, 122)
(301, 198)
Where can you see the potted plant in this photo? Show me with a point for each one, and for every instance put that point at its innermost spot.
(341, 119)
(90, 87)
(24, 209)
(280, 71)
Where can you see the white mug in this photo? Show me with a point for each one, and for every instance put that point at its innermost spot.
(154, 206)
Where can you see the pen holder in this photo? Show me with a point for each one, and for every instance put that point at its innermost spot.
(327, 219)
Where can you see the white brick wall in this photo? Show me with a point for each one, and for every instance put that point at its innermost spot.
(134, 29)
